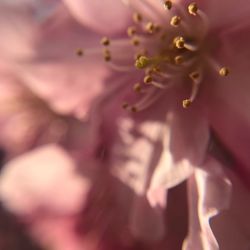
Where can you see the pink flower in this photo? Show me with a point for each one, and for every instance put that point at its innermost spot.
(177, 75)
(177, 81)
(42, 82)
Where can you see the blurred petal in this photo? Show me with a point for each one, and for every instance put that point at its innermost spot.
(107, 16)
(43, 179)
(68, 87)
(19, 25)
(68, 82)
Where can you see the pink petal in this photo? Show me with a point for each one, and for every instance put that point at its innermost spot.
(185, 142)
(134, 169)
(229, 97)
(149, 9)
(68, 82)
(43, 179)
(68, 87)
(107, 16)
(232, 226)
(59, 233)
(208, 192)
(19, 25)
(225, 14)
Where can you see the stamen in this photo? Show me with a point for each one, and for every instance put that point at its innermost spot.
(179, 60)
(150, 27)
(186, 103)
(149, 98)
(105, 41)
(135, 41)
(142, 62)
(196, 80)
(79, 52)
(106, 55)
(125, 105)
(224, 71)
(120, 68)
(158, 85)
(168, 5)
(147, 79)
(137, 18)
(179, 42)
(175, 21)
(131, 31)
(194, 75)
(191, 47)
(193, 9)
(137, 87)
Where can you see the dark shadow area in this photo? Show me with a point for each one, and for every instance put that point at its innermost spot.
(13, 235)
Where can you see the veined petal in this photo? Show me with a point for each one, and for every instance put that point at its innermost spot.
(107, 16)
(209, 193)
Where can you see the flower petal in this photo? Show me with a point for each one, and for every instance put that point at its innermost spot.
(208, 192)
(225, 14)
(34, 180)
(67, 87)
(19, 26)
(134, 168)
(229, 97)
(107, 16)
(232, 227)
(67, 81)
(185, 143)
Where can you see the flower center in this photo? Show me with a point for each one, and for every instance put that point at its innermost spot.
(168, 51)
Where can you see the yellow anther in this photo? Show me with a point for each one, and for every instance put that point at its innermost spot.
(194, 75)
(193, 9)
(131, 31)
(133, 109)
(137, 87)
(105, 41)
(125, 105)
(106, 55)
(156, 70)
(142, 62)
(179, 42)
(175, 21)
(135, 41)
(168, 5)
(80, 52)
(178, 60)
(137, 17)
(150, 27)
(148, 79)
(224, 71)
(186, 103)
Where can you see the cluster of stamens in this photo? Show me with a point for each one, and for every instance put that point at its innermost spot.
(164, 53)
